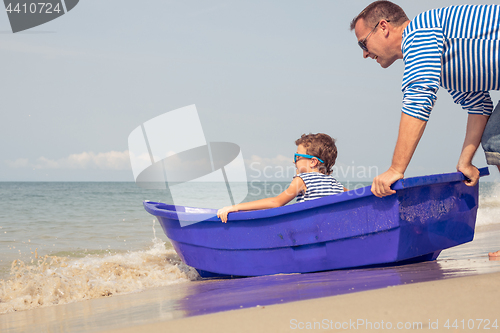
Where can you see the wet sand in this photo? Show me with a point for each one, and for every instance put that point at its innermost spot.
(462, 284)
(455, 305)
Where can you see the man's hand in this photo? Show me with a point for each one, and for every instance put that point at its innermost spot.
(381, 186)
(471, 172)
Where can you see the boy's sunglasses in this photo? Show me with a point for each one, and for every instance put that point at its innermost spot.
(362, 43)
(296, 157)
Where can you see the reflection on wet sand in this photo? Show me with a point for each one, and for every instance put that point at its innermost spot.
(209, 296)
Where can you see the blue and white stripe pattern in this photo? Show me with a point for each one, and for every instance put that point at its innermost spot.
(456, 47)
(318, 185)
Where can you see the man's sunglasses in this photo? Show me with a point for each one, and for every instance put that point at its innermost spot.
(296, 157)
(362, 43)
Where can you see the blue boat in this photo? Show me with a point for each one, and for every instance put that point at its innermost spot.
(352, 229)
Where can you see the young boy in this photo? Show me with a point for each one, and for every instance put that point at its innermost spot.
(315, 157)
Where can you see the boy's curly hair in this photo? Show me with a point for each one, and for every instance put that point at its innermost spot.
(322, 146)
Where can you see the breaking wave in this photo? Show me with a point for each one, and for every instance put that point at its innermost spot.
(55, 280)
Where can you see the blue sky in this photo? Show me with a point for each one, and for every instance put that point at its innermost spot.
(261, 73)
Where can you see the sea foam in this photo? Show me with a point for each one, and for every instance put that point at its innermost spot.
(489, 205)
(55, 280)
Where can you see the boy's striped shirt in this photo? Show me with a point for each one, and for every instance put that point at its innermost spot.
(318, 185)
(456, 47)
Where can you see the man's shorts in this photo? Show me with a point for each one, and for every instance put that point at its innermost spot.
(491, 138)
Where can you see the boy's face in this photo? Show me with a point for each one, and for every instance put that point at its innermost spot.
(304, 164)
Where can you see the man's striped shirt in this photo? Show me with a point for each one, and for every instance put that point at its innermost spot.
(318, 185)
(456, 47)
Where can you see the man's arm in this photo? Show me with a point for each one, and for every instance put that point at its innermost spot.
(475, 127)
(410, 132)
(420, 85)
(479, 106)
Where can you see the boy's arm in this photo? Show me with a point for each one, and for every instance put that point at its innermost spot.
(296, 186)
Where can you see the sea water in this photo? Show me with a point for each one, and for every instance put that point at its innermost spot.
(62, 242)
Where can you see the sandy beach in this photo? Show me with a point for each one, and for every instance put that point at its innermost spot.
(472, 302)
(462, 285)
(131, 128)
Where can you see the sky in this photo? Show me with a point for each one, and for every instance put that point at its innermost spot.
(261, 74)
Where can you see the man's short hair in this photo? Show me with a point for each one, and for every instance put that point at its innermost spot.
(381, 10)
(322, 146)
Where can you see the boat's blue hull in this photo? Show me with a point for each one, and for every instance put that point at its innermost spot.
(355, 228)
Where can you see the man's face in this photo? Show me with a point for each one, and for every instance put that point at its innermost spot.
(377, 42)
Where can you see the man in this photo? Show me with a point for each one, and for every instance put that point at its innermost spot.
(457, 48)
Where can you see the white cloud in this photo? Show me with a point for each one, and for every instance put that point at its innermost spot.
(19, 163)
(113, 160)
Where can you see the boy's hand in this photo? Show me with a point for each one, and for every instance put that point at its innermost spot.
(222, 213)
